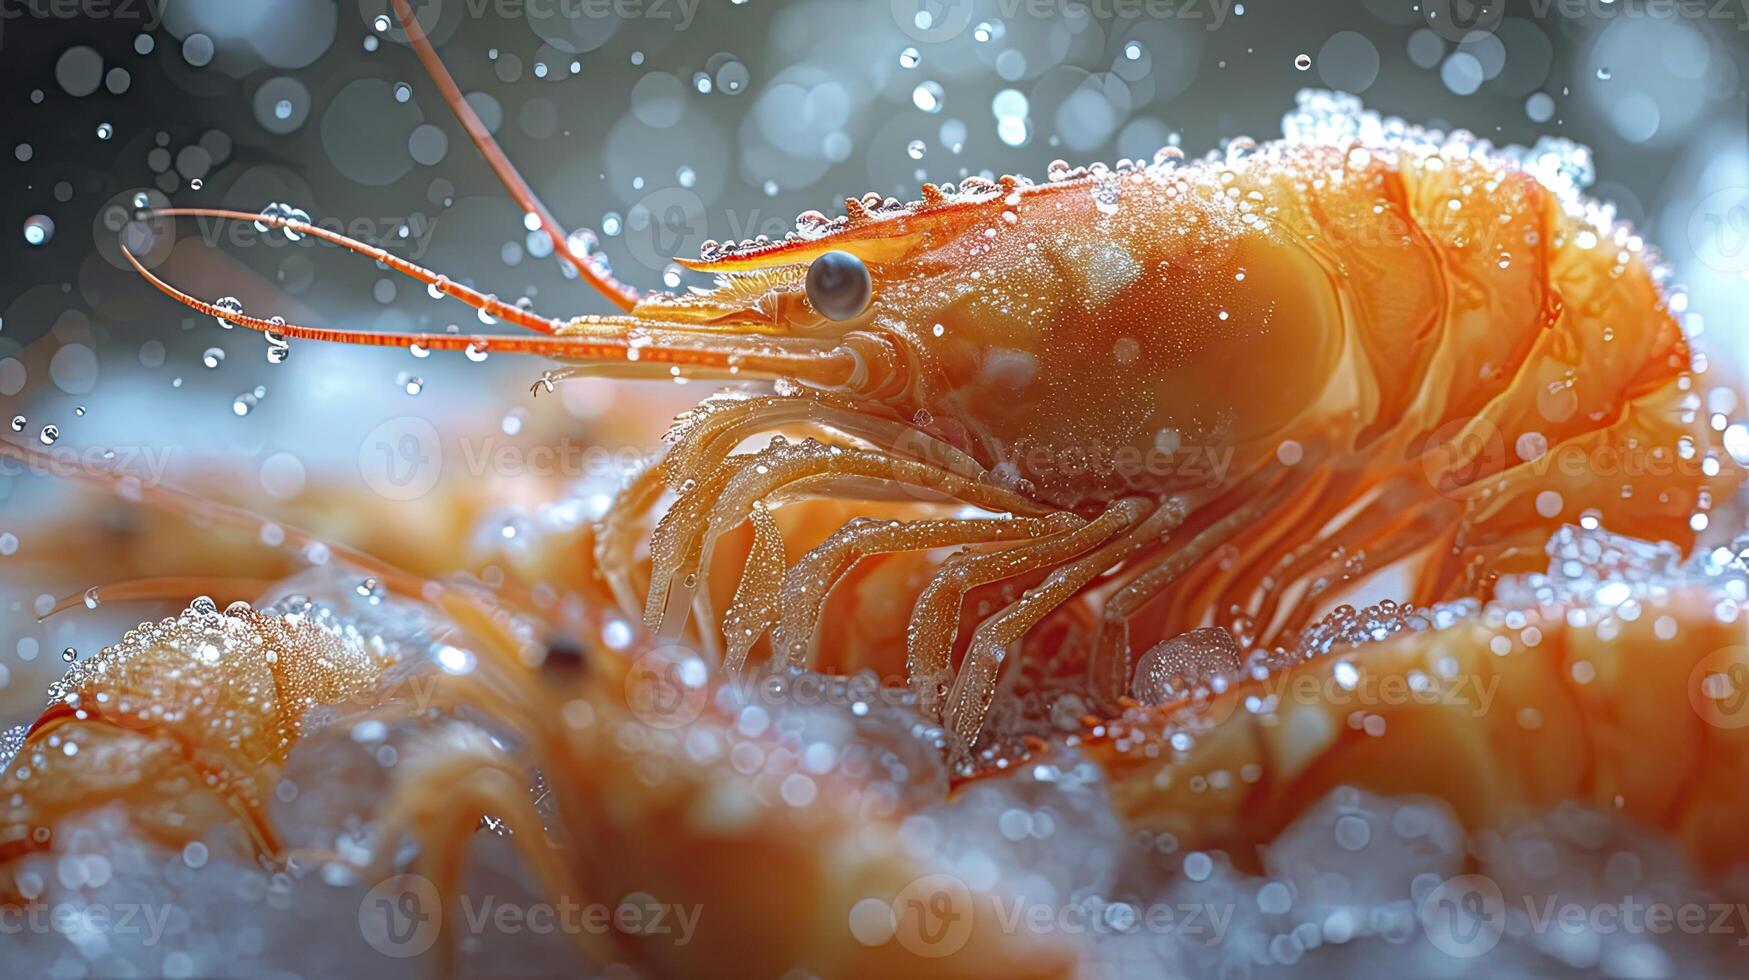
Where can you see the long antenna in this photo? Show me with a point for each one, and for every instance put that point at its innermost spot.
(604, 282)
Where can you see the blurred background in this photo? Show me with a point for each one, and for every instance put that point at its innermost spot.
(656, 125)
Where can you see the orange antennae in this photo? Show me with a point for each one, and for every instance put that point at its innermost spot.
(491, 305)
(613, 341)
(604, 282)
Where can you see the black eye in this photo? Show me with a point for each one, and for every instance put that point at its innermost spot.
(839, 286)
(565, 657)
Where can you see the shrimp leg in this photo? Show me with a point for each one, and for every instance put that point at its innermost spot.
(810, 580)
(754, 608)
(681, 545)
(975, 684)
(1109, 668)
(936, 615)
(703, 438)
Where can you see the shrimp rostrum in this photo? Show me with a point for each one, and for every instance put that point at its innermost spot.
(1181, 394)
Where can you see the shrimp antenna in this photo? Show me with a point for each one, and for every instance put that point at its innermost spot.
(594, 273)
(439, 284)
(601, 343)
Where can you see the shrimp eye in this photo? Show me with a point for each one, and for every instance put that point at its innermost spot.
(565, 657)
(839, 286)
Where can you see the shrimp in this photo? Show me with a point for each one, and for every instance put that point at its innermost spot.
(190, 724)
(187, 718)
(1615, 681)
(1387, 351)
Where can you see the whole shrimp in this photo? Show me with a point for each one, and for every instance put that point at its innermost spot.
(1408, 351)
(188, 724)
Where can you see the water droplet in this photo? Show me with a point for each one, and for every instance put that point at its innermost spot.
(910, 58)
(372, 591)
(213, 357)
(928, 96)
(69, 655)
(49, 434)
(18, 423)
(1303, 61)
(916, 149)
(476, 352)
(228, 304)
(278, 348)
(1192, 660)
(38, 229)
(105, 131)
